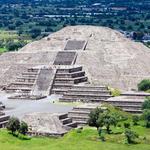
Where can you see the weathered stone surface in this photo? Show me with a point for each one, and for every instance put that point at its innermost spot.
(45, 123)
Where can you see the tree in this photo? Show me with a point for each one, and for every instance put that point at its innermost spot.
(146, 116)
(12, 46)
(93, 117)
(13, 125)
(144, 85)
(23, 128)
(35, 32)
(130, 136)
(146, 104)
(135, 119)
(107, 119)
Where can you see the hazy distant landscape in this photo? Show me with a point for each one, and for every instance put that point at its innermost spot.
(28, 20)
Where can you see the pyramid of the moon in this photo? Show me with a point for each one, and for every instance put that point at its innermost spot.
(107, 57)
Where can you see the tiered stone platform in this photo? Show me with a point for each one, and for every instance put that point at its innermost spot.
(66, 77)
(131, 103)
(34, 84)
(24, 83)
(86, 93)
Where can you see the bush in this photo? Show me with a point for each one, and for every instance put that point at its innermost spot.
(135, 119)
(146, 116)
(13, 125)
(115, 92)
(126, 125)
(130, 136)
(144, 85)
(146, 104)
(93, 117)
(23, 128)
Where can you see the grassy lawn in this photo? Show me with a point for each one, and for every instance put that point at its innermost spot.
(86, 140)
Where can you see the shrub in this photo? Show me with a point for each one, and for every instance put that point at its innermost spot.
(135, 119)
(115, 92)
(126, 125)
(130, 136)
(146, 116)
(13, 125)
(144, 85)
(23, 128)
(93, 117)
(146, 104)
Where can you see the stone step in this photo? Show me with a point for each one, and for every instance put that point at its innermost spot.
(125, 102)
(30, 73)
(87, 100)
(134, 111)
(81, 122)
(33, 70)
(19, 89)
(63, 116)
(22, 84)
(2, 106)
(4, 118)
(71, 80)
(29, 76)
(66, 121)
(128, 106)
(59, 91)
(72, 125)
(69, 70)
(2, 113)
(78, 113)
(89, 96)
(88, 87)
(87, 109)
(77, 118)
(88, 91)
(25, 79)
(62, 85)
(70, 75)
(3, 124)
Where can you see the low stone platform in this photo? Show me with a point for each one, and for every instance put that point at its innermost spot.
(44, 124)
(27, 97)
(131, 104)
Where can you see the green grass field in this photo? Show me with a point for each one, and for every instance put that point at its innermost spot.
(86, 140)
